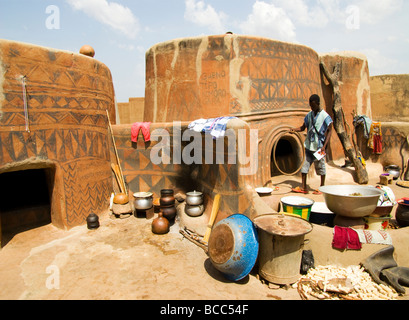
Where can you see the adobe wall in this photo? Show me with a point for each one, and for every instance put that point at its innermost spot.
(131, 111)
(390, 106)
(67, 96)
(162, 164)
(214, 76)
(390, 97)
(264, 82)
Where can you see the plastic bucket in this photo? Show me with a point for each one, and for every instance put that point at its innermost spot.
(233, 246)
(298, 206)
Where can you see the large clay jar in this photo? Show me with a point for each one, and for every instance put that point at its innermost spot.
(169, 213)
(167, 198)
(160, 225)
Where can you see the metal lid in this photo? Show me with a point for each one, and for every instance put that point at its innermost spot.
(194, 193)
(143, 194)
(283, 225)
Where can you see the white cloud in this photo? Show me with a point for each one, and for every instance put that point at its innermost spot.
(300, 12)
(378, 63)
(205, 16)
(269, 21)
(112, 14)
(373, 12)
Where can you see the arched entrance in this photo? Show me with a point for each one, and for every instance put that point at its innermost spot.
(284, 153)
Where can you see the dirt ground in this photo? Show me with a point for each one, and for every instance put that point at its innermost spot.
(123, 260)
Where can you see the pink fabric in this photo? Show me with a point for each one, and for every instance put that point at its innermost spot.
(346, 238)
(145, 127)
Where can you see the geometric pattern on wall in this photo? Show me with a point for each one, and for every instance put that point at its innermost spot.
(84, 195)
(282, 75)
(67, 96)
(142, 174)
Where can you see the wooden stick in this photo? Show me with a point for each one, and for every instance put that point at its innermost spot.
(118, 178)
(215, 210)
(116, 152)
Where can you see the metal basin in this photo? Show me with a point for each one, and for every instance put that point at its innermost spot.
(351, 200)
(233, 246)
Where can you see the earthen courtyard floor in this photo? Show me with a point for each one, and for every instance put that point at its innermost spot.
(123, 260)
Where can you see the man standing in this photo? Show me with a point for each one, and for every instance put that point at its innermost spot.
(319, 130)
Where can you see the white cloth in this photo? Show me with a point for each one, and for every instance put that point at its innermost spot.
(375, 237)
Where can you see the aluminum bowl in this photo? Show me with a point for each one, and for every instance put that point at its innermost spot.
(341, 200)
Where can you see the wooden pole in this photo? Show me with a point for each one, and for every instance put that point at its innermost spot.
(121, 175)
(339, 123)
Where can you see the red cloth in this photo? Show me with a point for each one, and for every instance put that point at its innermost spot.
(144, 126)
(346, 238)
(377, 144)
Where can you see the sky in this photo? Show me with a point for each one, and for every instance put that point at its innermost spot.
(121, 31)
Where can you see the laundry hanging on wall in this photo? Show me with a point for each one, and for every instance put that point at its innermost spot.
(375, 138)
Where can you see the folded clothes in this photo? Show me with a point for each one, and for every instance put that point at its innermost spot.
(346, 238)
(214, 126)
(144, 127)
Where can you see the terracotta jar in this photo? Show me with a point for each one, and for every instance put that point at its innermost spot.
(169, 213)
(160, 225)
(167, 197)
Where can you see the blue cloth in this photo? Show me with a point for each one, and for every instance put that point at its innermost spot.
(366, 122)
(214, 126)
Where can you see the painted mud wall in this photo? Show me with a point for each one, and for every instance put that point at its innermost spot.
(264, 82)
(65, 131)
(223, 176)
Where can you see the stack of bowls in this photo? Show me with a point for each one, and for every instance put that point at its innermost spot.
(194, 204)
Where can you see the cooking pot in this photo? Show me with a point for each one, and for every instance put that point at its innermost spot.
(194, 198)
(402, 214)
(169, 213)
(194, 211)
(393, 170)
(143, 200)
(167, 197)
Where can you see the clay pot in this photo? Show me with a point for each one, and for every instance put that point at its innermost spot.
(167, 197)
(121, 198)
(402, 215)
(160, 225)
(93, 221)
(169, 212)
(87, 50)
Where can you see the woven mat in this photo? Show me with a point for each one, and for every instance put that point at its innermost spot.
(404, 184)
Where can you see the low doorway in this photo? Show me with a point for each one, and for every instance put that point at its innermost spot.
(24, 201)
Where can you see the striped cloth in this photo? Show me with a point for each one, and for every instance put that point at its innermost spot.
(214, 126)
